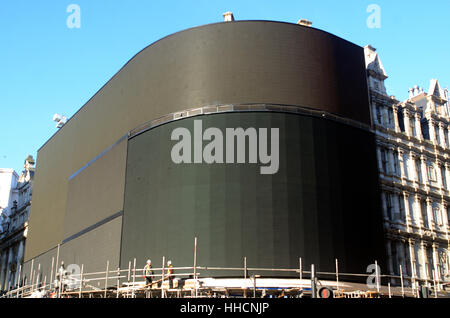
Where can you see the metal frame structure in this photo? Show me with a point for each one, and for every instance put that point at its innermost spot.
(123, 283)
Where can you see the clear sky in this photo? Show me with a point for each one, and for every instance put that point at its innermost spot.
(48, 68)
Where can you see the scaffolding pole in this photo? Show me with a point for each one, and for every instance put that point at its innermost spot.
(337, 275)
(401, 281)
(313, 282)
(58, 294)
(106, 278)
(51, 274)
(300, 268)
(245, 276)
(162, 276)
(129, 275)
(118, 281)
(195, 267)
(377, 275)
(18, 281)
(81, 282)
(133, 294)
(31, 274)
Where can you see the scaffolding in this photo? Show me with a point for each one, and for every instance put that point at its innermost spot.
(198, 282)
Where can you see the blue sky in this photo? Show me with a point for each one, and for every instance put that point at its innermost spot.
(47, 68)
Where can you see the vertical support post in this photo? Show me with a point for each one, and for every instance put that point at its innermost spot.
(389, 289)
(313, 282)
(38, 276)
(33, 284)
(118, 281)
(8, 282)
(162, 276)
(377, 275)
(18, 281)
(401, 281)
(128, 280)
(106, 278)
(300, 267)
(31, 274)
(133, 294)
(81, 281)
(51, 274)
(195, 267)
(337, 275)
(60, 283)
(245, 277)
(56, 266)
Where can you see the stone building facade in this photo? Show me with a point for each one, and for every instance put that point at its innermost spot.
(14, 227)
(413, 148)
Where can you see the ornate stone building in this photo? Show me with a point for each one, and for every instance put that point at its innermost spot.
(14, 227)
(413, 156)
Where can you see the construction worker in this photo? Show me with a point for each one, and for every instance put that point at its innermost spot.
(170, 274)
(60, 276)
(148, 273)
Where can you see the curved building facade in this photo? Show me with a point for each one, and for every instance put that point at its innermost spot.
(107, 187)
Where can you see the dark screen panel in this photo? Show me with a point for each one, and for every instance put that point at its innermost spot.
(238, 62)
(96, 192)
(322, 204)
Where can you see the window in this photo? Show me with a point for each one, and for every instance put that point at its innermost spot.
(417, 263)
(407, 269)
(418, 170)
(396, 164)
(390, 118)
(389, 205)
(406, 165)
(395, 257)
(401, 123)
(438, 136)
(443, 177)
(412, 127)
(412, 210)
(425, 130)
(424, 211)
(401, 204)
(445, 139)
(380, 116)
(431, 173)
(437, 215)
(383, 161)
(448, 216)
(429, 261)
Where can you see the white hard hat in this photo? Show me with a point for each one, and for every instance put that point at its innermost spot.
(169, 262)
(149, 261)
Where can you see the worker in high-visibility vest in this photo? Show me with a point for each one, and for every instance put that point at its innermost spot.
(170, 274)
(148, 273)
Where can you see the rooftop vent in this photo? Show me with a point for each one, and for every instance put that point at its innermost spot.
(304, 22)
(60, 120)
(228, 16)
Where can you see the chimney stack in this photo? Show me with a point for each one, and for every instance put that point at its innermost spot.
(228, 16)
(304, 22)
